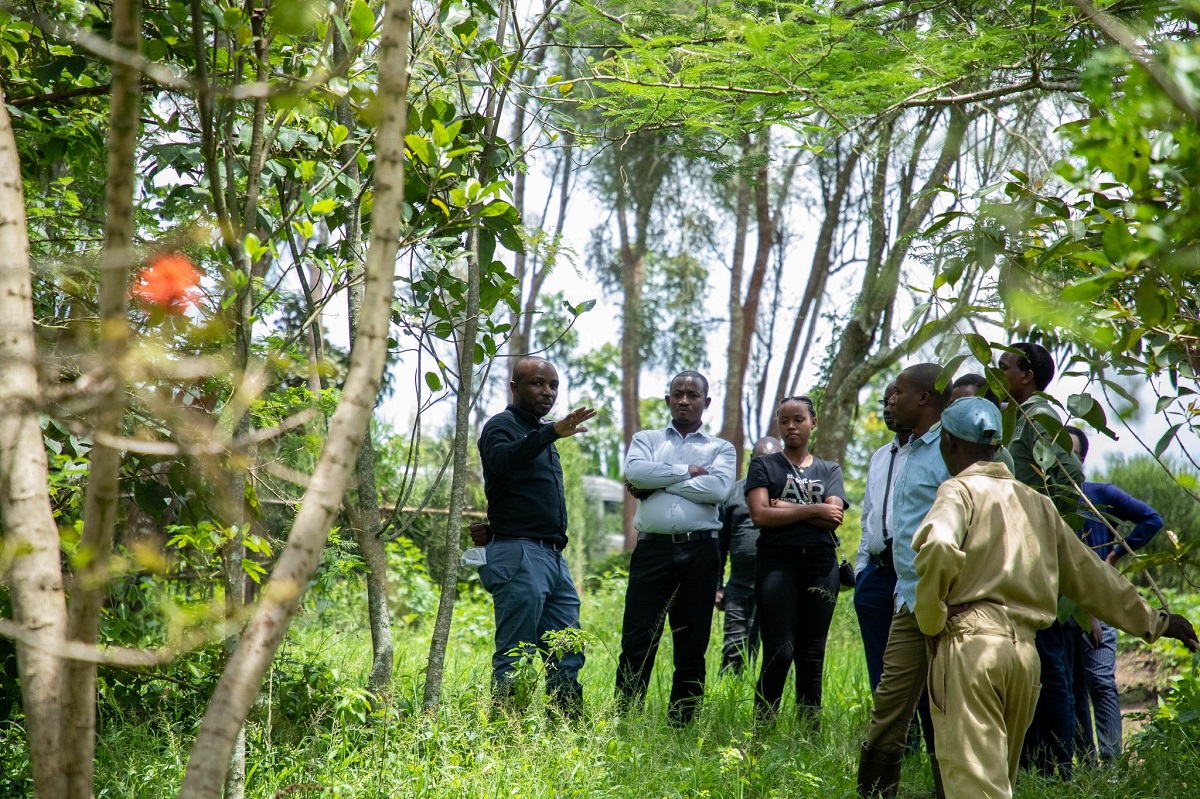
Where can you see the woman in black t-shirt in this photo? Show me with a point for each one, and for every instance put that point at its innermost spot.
(796, 501)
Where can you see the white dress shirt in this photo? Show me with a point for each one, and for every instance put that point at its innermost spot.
(886, 465)
(659, 459)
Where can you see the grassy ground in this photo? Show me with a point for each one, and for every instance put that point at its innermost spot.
(311, 736)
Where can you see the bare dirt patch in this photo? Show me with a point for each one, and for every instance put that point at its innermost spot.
(1140, 680)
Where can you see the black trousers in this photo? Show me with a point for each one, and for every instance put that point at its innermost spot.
(675, 583)
(797, 590)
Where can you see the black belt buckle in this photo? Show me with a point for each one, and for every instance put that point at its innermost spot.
(885, 557)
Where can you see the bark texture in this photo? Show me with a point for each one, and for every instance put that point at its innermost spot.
(34, 575)
(243, 676)
(364, 508)
(863, 348)
(100, 504)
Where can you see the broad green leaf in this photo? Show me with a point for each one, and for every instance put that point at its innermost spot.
(980, 348)
(1080, 405)
(433, 381)
(1166, 439)
(1089, 288)
(947, 373)
(495, 208)
(322, 207)
(1043, 453)
(419, 146)
(362, 21)
(1118, 242)
(1152, 304)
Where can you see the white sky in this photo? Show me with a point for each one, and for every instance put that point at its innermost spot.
(602, 324)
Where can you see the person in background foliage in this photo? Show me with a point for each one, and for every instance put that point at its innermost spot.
(875, 574)
(992, 557)
(1028, 370)
(975, 385)
(526, 573)
(739, 542)
(917, 405)
(1094, 650)
(680, 476)
(796, 501)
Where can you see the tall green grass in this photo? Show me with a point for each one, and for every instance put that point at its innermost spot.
(313, 735)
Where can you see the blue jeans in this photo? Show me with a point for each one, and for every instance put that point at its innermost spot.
(1049, 743)
(533, 594)
(1095, 686)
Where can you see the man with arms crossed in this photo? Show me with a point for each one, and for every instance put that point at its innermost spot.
(681, 474)
(526, 573)
(992, 557)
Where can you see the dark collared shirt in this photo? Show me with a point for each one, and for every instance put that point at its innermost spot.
(522, 476)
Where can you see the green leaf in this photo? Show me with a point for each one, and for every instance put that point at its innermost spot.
(322, 207)
(947, 373)
(1117, 241)
(433, 381)
(980, 348)
(362, 21)
(1089, 288)
(1080, 405)
(495, 208)
(1166, 439)
(1152, 304)
(420, 148)
(1043, 454)
(582, 307)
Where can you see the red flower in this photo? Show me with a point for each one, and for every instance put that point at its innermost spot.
(171, 282)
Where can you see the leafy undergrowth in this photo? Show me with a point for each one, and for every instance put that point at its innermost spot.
(313, 735)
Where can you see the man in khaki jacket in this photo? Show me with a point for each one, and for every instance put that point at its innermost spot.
(992, 557)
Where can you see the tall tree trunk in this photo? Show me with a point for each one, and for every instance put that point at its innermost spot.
(741, 336)
(364, 510)
(100, 503)
(34, 575)
(633, 277)
(854, 364)
(731, 407)
(243, 675)
(822, 262)
(458, 482)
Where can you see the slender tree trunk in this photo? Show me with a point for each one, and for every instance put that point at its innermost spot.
(458, 482)
(364, 510)
(849, 371)
(822, 261)
(100, 503)
(731, 407)
(243, 676)
(741, 337)
(633, 278)
(34, 575)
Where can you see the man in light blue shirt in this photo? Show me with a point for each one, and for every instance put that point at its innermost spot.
(680, 475)
(917, 405)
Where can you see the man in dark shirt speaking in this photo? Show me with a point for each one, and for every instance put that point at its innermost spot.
(526, 573)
